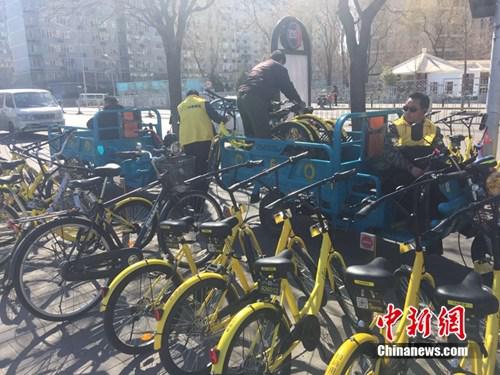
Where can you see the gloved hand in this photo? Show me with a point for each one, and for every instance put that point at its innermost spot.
(302, 104)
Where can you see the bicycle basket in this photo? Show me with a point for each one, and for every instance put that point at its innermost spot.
(179, 168)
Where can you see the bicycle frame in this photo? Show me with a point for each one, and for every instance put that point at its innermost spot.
(481, 364)
(232, 265)
(276, 303)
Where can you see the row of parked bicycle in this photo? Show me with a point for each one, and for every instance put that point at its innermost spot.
(206, 295)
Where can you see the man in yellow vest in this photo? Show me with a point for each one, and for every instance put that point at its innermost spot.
(196, 129)
(411, 136)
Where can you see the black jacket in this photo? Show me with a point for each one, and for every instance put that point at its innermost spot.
(267, 79)
(107, 119)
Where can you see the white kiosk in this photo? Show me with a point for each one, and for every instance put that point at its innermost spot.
(291, 37)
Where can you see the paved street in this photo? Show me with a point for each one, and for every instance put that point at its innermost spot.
(32, 346)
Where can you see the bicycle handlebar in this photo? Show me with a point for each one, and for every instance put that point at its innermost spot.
(247, 164)
(267, 171)
(337, 177)
(215, 95)
(434, 178)
(471, 207)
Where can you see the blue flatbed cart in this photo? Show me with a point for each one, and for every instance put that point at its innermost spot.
(349, 149)
(112, 132)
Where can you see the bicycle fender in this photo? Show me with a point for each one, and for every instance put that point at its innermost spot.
(178, 292)
(345, 350)
(133, 267)
(131, 199)
(232, 328)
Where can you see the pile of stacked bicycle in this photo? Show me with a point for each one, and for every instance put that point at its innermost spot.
(206, 297)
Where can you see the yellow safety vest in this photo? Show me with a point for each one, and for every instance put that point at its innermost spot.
(195, 125)
(404, 132)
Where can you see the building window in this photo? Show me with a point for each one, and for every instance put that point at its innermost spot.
(449, 87)
(434, 88)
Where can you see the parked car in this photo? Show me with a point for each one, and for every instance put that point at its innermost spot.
(28, 110)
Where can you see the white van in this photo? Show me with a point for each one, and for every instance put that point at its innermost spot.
(91, 99)
(28, 110)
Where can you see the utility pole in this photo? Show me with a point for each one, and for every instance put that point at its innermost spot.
(493, 98)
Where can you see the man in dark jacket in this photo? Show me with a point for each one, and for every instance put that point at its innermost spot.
(109, 118)
(263, 84)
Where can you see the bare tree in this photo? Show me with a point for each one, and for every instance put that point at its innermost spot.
(436, 26)
(170, 19)
(358, 36)
(328, 35)
(206, 46)
(262, 16)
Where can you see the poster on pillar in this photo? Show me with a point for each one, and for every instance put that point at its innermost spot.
(291, 37)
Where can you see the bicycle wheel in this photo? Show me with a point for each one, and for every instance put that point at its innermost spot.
(8, 233)
(294, 131)
(39, 263)
(128, 219)
(323, 130)
(306, 271)
(203, 208)
(341, 293)
(248, 351)
(361, 361)
(129, 320)
(188, 333)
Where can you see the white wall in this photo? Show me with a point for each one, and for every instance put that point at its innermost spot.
(442, 79)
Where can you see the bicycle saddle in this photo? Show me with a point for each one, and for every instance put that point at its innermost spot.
(457, 138)
(10, 165)
(178, 226)
(107, 170)
(278, 265)
(470, 293)
(377, 274)
(220, 229)
(10, 180)
(86, 183)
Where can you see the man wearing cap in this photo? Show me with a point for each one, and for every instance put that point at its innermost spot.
(264, 82)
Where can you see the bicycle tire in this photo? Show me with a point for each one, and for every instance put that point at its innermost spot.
(126, 211)
(294, 131)
(192, 203)
(342, 294)
(31, 244)
(306, 272)
(258, 317)
(214, 155)
(8, 238)
(140, 311)
(180, 317)
(364, 350)
(322, 129)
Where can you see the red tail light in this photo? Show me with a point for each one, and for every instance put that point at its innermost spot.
(214, 356)
(157, 314)
(104, 291)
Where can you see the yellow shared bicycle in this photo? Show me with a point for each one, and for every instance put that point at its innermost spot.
(361, 353)
(260, 338)
(134, 299)
(199, 309)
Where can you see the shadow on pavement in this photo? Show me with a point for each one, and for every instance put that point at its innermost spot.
(6, 138)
